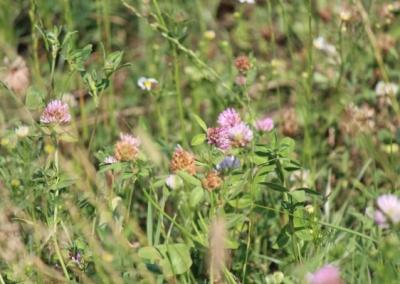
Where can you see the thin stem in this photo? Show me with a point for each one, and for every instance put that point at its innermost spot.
(247, 253)
(1, 279)
(179, 100)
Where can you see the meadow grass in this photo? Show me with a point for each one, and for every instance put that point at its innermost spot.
(199, 141)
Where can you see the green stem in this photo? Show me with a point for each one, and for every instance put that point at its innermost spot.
(1, 279)
(179, 99)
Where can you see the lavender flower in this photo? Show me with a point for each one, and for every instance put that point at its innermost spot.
(265, 124)
(229, 118)
(56, 112)
(328, 274)
(388, 210)
(147, 84)
(229, 162)
(240, 135)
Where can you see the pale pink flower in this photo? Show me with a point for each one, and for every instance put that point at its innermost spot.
(17, 76)
(56, 112)
(265, 124)
(229, 118)
(328, 274)
(110, 160)
(388, 210)
(240, 135)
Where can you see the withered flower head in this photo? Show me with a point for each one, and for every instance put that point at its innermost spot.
(182, 161)
(242, 64)
(126, 149)
(211, 181)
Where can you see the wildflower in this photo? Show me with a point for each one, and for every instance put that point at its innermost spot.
(126, 148)
(384, 89)
(211, 181)
(22, 131)
(182, 161)
(240, 80)
(219, 137)
(229, 162)
(357, 119)
(209, 35)
(265, 124)
(173, 182)
(229, 118)
(240, 135)
(56, 112)
(247, 1)
(110, 160)
(242, 64)
(290, 126)
(147, 84)
(16, 77)
(320, 43)
(328, 274)
(388, 210)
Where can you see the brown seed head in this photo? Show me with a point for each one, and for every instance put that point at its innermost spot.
(182, 161)
(211, 181)
(242, 64)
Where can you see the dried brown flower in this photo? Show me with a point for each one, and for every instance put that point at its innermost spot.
(126, 149)
(290, 127)
(357, 120)
(183, 161)
(211, 181)
(242, 64)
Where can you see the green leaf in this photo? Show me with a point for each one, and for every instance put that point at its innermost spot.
(173, 259)
(286, 146)
(188, 178)
(241, 203)
(275, 186)
(198, 139)
(196, 196)
(200, 122)
(34, 99)
(283, 238)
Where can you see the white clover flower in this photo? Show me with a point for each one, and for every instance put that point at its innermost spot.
(22, 131)
(384, 89)
(147, 84)
(247, 1)
(320, 43)
(174, 182)
(110, 160)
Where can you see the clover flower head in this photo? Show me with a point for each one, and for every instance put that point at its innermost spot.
(228, 118)
(182, 161)
(56, 112)
(147, 84)
(240, 135)
(174, 181)
(218, 137)
(22, 131)
(322, 44)
(328, 274)
(388, 210)
(127, 148)
(247, 1)
(110, 160)
(384, 89)
(265, 124)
